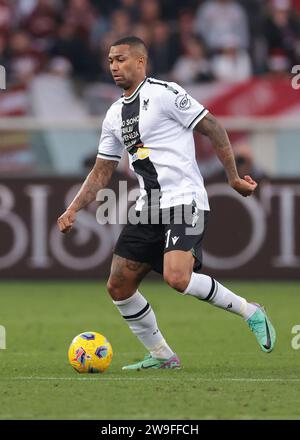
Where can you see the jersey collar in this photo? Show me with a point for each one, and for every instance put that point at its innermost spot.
(131, 98)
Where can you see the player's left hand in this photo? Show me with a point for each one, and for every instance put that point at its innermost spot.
(66, 220)
(245, 186)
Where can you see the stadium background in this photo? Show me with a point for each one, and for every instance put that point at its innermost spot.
(239, 59)
(234, 57)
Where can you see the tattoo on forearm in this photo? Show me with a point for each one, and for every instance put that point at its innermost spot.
(210, 127)
(97, 179)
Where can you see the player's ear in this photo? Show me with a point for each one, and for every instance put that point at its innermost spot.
(142, 61)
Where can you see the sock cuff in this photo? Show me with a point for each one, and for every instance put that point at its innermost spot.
(202, 286)
(213, 290)
(189, 287)
(127, 300)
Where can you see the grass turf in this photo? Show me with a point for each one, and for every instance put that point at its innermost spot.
(225, 374)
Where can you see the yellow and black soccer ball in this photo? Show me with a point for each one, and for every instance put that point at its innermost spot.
(90, 352)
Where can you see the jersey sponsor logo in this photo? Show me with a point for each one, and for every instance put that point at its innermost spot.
(130, 130)
(130, 138)
(130, 121)
(183, 102)
(141, 153)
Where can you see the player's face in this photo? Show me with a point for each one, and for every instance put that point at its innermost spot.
(126, 66)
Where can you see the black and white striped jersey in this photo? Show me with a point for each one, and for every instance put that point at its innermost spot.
(155, 125)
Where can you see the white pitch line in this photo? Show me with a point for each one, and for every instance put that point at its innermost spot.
(124, 379)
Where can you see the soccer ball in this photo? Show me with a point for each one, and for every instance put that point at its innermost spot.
(90, 352)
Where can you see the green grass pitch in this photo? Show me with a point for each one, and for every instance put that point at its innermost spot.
(225, 374)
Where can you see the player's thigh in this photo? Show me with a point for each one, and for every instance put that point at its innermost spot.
(125, 277)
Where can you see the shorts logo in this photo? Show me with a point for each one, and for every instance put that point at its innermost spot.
(174, 240)
(183, 102)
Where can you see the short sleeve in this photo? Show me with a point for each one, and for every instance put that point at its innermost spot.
(110, 148)
(182, 107)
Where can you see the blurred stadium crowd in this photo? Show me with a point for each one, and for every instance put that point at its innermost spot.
(189, 41)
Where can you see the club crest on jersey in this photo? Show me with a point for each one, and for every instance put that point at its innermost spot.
(145, 104)
(183, 102)
(141, 153)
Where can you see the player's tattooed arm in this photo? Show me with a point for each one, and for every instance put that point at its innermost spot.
(97, 179)
(211, 127)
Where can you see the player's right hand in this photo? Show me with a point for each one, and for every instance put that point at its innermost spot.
(66, 220)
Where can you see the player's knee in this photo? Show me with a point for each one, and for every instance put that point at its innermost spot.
(114, 289)
(178, 280)
(118, 291)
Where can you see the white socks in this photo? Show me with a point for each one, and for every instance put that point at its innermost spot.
(206, 288)
(142, 322)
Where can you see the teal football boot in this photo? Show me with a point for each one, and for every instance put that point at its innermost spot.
(150, 362)
(263, 329)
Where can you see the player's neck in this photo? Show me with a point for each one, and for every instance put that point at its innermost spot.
(134, 86)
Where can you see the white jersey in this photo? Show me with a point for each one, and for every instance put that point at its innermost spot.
(155, 125)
